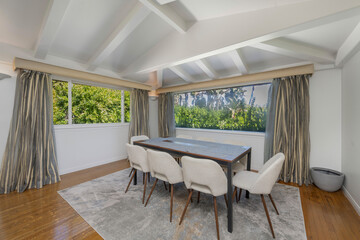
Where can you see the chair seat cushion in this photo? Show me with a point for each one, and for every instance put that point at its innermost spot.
(245, 179)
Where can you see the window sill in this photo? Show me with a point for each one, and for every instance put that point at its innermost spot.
(93, 125)
(233, 132)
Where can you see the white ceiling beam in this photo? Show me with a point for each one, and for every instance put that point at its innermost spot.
(168, 15)
(238, 59)
(159, 78)
(349, 47)
(162, 2)
(206, 68)
(297, 50)
(240, 30)
(52, 21)
(123, 30)
(182, 74)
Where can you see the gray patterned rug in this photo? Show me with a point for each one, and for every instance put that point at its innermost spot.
(116, 215)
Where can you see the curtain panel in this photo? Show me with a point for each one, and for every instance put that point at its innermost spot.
(287, 129)
(166, 115)
(30, 160)
(139, 109)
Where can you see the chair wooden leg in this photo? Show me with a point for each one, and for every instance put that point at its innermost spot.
(152, 189)
(226, 201)
(216, 218)
(198, 197)
(267, 215)
(234, 194)
(238, 198)
(127, 188)
(187, 203)
(165, 185)
(144, 188)
(132, 169)
(189, 193)
(273, 203)
(171, 201)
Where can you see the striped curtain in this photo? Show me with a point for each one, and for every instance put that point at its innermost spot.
(30, 160)
(290, 123)
(139, 109)
(166, 115)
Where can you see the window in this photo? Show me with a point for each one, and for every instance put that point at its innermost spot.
(89, 104)
(239, 108)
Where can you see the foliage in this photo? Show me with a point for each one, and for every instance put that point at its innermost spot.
(219, 109)
(60, 102)
(90, 104)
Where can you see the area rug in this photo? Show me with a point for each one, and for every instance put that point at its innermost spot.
(103, 204)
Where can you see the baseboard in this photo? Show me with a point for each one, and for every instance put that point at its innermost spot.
(352, 200)
(90, 165)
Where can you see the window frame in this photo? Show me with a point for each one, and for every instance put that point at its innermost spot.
(245, 84)
(70, 124)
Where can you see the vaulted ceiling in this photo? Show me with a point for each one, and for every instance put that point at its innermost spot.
(174, 42)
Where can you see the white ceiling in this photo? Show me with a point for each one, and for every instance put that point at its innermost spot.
(116, 35)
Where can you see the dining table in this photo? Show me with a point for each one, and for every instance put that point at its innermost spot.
(224, 154)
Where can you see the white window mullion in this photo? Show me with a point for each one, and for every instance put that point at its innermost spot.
(122, 106)
(70, 102)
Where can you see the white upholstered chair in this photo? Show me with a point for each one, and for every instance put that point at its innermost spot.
(164, 167)
(206, 176)
(132, 140)
(262, 182)
(138, 160)
(138, 138)
(242, 163)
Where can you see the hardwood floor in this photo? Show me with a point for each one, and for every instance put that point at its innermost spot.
(43, 214)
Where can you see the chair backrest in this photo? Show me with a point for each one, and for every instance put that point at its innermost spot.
(204, 172)
(138, 138)
(164, 167)
(269, 173)
(138, 157)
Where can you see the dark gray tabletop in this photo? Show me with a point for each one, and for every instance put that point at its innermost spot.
(197, 148)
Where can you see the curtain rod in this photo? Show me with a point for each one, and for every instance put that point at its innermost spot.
(235, 81)
(20, 63)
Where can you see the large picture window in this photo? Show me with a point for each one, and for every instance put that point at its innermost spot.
(89, 104)
(238, 108)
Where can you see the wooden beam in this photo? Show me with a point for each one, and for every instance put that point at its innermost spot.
(350, 46)
(235, 81)
(124, 29)
(182, 74)
(239, 61)
(156, 79)
(168, 15)
(206, 67)
(20, 63)
(52, 21)
(240, 30)
(297, 50)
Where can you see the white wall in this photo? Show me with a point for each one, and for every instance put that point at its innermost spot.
(85, 146)
(325, 119)
(7, 93)
(351, 129)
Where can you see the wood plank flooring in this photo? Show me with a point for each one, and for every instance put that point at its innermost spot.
(43, 214)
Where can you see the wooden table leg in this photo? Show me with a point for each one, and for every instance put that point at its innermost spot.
(229, 198)
(248, 167)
